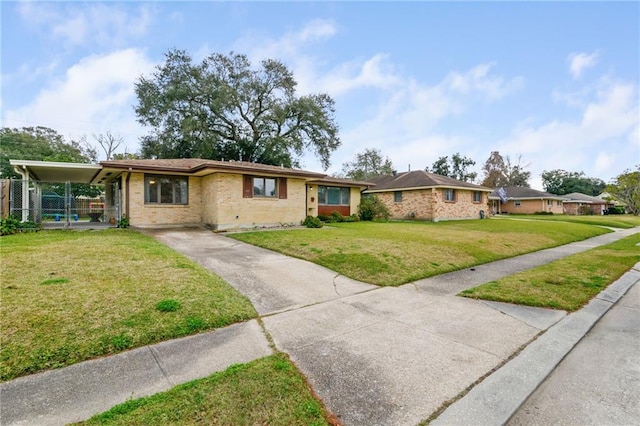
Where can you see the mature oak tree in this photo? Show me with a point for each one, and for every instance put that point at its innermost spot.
(367, 164)
(626, 189)
(457, 167)
(562, 182)
(224, 109)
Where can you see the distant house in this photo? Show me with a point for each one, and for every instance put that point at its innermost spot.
(577, 203)
(221, 194)
(516, 199)
(427, 196)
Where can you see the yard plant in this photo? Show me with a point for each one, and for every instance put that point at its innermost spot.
(395, 253)
(267, 391)
(68, 296)
(567, 283)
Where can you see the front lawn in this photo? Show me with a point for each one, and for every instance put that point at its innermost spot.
(567, 283)
(395, 253)
(68, 296)
(268, 391)
(623, 221)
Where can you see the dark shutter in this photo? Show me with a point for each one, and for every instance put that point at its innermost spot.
(247, 186)
(282, 188)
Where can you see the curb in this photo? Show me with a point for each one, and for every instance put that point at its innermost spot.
(495, 400)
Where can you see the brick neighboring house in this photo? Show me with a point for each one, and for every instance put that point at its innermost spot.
(427, 196)
(222, 194)
(577, 203)
(525, 201)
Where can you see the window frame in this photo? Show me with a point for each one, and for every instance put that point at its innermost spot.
(324, 195)
(479, 193)
(264, 179)
(517, 203)
(449, 195)
(397, 196)
(176, 181)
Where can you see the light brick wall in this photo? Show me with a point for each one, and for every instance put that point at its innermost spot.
(141, 214)
(532, 206)
(354, 200)
(312, 200)
(227, 209)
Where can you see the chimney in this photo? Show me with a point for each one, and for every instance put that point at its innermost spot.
(409, 167)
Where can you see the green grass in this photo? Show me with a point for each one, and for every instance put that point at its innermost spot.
(399, 252)
(268, 391)
(615, 221)
(567, 283)
(68, 296)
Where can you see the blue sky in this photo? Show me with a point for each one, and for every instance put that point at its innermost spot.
(552, 83)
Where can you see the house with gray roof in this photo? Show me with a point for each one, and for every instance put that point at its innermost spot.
(422, 195)
(577, 203)
(517, 199)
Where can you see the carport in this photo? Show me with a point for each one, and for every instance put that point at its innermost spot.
(62, 195)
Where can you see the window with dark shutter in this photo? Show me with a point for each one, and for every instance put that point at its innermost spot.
(247, 186)
(282, 188)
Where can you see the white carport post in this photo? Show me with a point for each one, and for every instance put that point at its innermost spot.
(25, 191)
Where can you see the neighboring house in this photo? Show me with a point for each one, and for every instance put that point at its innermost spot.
(577, 203)
(221, 194)
(427, 196)
(518, 199)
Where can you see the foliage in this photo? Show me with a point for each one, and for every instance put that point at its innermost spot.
(562, 182)
(267, 391)
(123, 222)
(337, 217)
(625, 188)
(372, 208)
(41, 144)
(312, 222)
(567, 283)
(366, 165)
(457, 167)
(395, 253)
(11, 225)
(105, 306)
(223, 108)
(501, 171)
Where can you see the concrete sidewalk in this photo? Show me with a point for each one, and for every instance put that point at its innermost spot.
(374, 355)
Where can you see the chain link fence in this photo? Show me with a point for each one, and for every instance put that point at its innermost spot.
(57, 204)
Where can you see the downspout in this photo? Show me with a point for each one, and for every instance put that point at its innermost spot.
(126, 185)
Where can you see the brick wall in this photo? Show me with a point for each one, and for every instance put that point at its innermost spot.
(462, 208)
(415, 204)
(141, 214)
(429, 204)
(532, 206)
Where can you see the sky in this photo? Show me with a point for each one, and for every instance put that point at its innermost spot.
(553, 85)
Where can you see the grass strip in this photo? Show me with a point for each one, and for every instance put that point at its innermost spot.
(395, 253)
(566, 284)
(625, 221)
(69, 296)
(269, 391)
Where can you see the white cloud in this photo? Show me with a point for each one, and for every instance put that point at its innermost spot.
(478, 80)
(595, 142)
(94, 96)
(87, 25)
(579, 62)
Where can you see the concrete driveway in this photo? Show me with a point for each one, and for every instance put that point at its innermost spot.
(374, 355)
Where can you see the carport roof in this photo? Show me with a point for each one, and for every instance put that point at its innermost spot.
(50, 171)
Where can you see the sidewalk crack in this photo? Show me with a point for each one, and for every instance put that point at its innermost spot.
(164, 373)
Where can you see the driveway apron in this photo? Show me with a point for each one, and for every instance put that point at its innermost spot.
(374, 355)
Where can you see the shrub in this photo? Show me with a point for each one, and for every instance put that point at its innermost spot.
(371, 208)
(11, 225)
(312, 222)
(123, 222)
(337, 216)
(544, 213)
(325, 218)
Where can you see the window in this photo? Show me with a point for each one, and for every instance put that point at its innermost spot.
(160, 189)
(450, 195)
(477, 197)
(517, 203)
(549, 202)
(334, 196)
(559, 203)
(397, 196)
(264, 187)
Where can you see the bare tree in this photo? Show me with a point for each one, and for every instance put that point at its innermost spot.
(109, 143)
